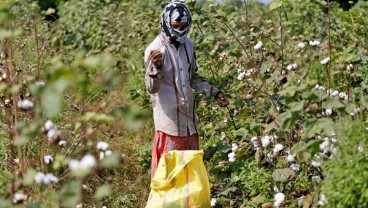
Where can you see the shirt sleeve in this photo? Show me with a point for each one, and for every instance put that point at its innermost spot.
(153, 75)
(199, 83)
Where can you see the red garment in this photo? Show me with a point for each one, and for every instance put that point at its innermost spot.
(163, 143)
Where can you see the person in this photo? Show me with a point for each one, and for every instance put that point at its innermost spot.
(171, 74)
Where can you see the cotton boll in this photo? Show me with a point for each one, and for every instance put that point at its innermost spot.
(40, 83)
(324, 145)
(295, 66)
(19, 198)
(74, 164)
(349, 68)
(315, 163)
(234, 147)
(223, 136)
(102, 146)
(301, 45)
(290, 158)
(258, 46)
(325, 61)
(108, 153)
(295, 167)
(317, 86)
(328, 112)
(314, 43)
(48, 159)
(25, 105)
(232, 154)
(265, 141)
(102, 155)
(316, 179)
(79, 205)
(88, 161)
(232, 159)
(335, 93)
(289, 67)
(39, 177)
(254, 141)
(53, 134)
(300, 201)
(360, 149)
(49, 125)
(278, 148)
(321, 88)
(62, 143)
(52, 178)
(322, 200)
(241, 76)
(213, 202)
(279, 199)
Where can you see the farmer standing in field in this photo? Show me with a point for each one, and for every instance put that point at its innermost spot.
(170, 77)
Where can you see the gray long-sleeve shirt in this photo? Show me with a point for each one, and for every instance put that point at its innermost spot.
(171, 86)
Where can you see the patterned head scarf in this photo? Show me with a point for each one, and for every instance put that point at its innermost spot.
(175, 11)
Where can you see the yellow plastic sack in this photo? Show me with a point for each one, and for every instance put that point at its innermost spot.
(180, 181)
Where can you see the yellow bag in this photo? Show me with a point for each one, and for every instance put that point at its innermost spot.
(180, 181)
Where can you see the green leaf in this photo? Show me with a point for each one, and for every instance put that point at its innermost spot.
(51, 97)
(333, 103)
(242, 133)
(70, 194)
(21, 140)
(275, 4)
(287, 119)
(29, 177)
(298, 147)
(364, 101)
(5, 34)
(92, 116)
(297, 106)
(313, 146)
(111, 161)
(283, 175)
(103, 191)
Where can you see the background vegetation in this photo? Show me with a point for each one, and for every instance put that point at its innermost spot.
(76, 118)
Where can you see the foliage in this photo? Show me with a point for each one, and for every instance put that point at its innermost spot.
(85, 73)
(346, 181)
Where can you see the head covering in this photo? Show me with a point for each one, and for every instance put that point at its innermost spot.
(175, 11)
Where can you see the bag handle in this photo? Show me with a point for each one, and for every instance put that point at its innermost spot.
(157, 185)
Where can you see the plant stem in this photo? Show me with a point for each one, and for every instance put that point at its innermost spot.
(282, 39)
(329, 47)
(37, 48)
(237, 39)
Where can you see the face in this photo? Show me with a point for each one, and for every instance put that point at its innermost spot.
(179, 25)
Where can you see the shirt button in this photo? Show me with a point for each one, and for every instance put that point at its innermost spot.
(183, 85)
(181, 69)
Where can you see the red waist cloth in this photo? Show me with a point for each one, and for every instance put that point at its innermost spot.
(163, 143)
